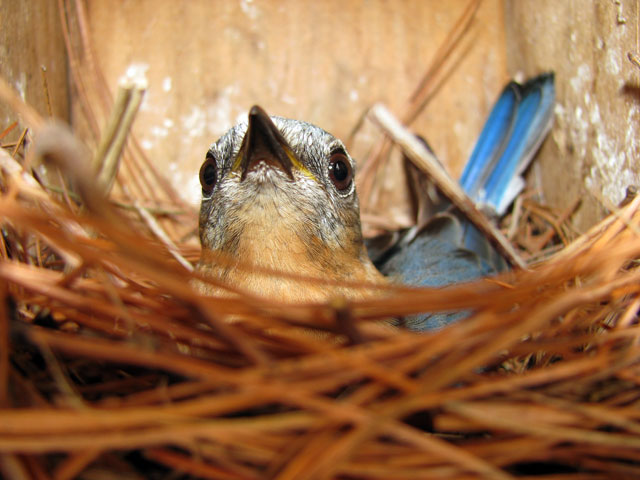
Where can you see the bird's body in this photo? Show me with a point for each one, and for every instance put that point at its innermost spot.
(279, 195)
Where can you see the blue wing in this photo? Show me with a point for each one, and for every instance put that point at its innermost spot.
(449, 249)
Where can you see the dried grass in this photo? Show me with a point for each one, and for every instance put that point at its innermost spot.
(112, 364)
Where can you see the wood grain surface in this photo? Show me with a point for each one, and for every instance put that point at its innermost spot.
(327, 62)
(30, 39)
(323, 62)
(593, 151)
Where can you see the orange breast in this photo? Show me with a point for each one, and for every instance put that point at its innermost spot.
(285, 253)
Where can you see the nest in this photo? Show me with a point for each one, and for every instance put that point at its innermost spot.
(113, 365)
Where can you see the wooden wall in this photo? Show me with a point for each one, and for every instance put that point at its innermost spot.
(30, 39)
(326, 62)
(323, 62)
(593, 153)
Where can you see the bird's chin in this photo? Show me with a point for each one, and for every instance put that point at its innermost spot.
(263, 173)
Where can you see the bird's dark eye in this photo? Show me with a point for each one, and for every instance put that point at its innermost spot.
(208, 174)
(340, 171)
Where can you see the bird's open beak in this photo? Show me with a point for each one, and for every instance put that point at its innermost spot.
(263, 142)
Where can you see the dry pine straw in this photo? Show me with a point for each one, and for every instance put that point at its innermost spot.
(107, 349)
(110, 363)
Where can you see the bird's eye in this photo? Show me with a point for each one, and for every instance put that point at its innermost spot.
(208, 174)
(340, 171)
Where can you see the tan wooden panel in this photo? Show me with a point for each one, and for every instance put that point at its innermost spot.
(31, 38)
(594, 144)
(324, 62)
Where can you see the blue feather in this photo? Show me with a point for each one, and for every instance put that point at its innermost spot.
(508, 142)
(490, 144)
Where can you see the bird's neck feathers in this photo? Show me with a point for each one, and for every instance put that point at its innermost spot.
(282, 241)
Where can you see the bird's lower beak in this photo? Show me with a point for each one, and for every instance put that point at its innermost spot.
(263, 142)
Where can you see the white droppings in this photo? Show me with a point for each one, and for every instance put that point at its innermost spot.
(159, 131)
(584, 126)
(189, 182)
(156, 133)
(167, 84)
(581, 79)
(219, 114)
(559, 133)
(21, 84)
(611, 172)
(631, 136)
(594, 115)
(249, 9)
(612, 64)
(353, 95)
(136, 69)
(288, 99)
(209, 121)
(194, 123)
(574, 37)
(588, 181)
(136, 73)
(579, 131)
(578, 117)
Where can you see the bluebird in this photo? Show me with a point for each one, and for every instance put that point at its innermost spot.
(279, 194)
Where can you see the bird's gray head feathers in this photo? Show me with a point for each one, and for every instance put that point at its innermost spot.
(282, 182)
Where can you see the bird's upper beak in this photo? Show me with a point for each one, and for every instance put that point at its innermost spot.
(263, 142)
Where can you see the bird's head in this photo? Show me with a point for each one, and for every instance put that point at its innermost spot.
(280, 193)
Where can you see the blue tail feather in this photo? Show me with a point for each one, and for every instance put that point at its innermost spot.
(491, 142)
(514, 130)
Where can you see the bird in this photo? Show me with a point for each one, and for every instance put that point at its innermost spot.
(279, 194)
